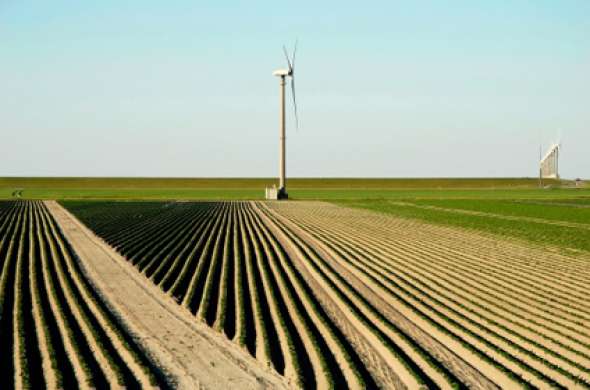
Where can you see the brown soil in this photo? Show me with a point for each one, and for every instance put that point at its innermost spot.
(192, 355)
(507, 292)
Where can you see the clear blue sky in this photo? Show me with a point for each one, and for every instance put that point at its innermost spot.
(389, 88)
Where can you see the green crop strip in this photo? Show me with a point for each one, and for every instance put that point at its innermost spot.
(542, 232)
(552, 211)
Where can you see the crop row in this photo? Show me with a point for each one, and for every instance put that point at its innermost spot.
(55, 331)
(333, 298)
(244, 273)
(221, 263)
(443, 282)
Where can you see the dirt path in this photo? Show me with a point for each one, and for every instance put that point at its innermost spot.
(193, 355)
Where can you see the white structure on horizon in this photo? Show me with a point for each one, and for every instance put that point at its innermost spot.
(549, 164)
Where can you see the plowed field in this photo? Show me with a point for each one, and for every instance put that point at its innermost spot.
(55, 332)
(332, 297)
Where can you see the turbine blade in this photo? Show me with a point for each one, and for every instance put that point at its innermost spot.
(294, 103)
(288, 60)
(294, 52)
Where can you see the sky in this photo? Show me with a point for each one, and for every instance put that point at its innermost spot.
(180, 88)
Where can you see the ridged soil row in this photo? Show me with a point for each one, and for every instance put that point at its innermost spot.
(310, 319)
(393, 250)
(194, 297)
(6, 208)
(523, 297)
(509, 248)
(441, 305)
(143, 228)
(289, 292)
(146, 247)
(27, 366)
(160, 256)
(487, 285)
(244, 322)
(548, 263)
(573, 365)
(471, 264)
(127, 218)
(113, 373)
(545, 287)
(262, 340)
(467, 374)
(127, 227)
(415, 322)
(486, 311)
(294, 365)
(151, 227)
(86, 372)
(179, 270)
(151, 251)
(10, 211)
(225, 268)
(129, 359)
(69, 370)
(413, 366)
(193, 265)
(548, 266)
(224, 319)
(10, 252)
(208, 305)
(7, 254)
(55, 333)
(54, 377)
(377, 368)
(518, 312)
(138, 225)
(302, 334)
(168, 262)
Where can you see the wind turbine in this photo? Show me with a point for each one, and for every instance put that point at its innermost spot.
(284, 74)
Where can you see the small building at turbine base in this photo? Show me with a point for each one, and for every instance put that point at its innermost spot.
(274, 193)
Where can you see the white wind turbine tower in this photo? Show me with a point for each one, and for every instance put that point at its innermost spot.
(281, 192)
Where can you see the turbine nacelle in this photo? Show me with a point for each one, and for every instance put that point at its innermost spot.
(283, 72)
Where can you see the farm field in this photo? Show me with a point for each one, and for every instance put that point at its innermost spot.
(555, 222)
(552, 211)
(505, 304)
(299, 188)
(174, 215)
(221, 263)
(193, 355)
(330, 296)
(55, 331)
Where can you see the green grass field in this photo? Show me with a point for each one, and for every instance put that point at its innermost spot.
(299, 188)
(552, 210)
(558, 216)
